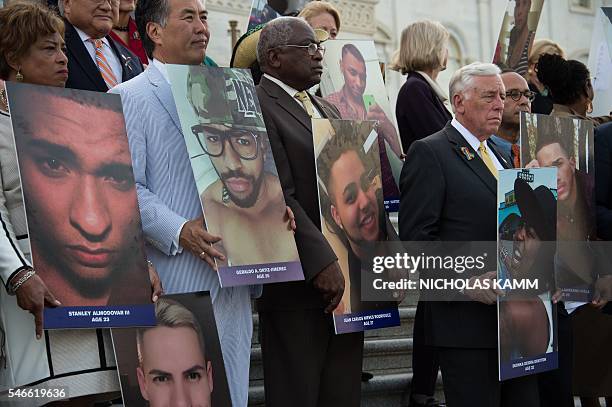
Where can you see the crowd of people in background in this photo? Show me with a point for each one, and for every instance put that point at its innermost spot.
(122, 47)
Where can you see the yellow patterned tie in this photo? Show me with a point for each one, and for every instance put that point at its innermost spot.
(306, 102)
(487, 159)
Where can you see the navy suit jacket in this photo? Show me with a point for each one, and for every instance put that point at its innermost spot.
(82, 70)
(444, 196)
(419, 111)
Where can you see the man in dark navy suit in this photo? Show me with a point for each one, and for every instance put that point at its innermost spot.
(95, 61)
(448, 193)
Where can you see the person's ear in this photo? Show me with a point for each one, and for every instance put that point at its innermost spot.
(209, 373)
(67, 7)
(458, 100)
(142, 383)
(274, 59)
(336, 216)
(572, 162)
(155, 31)
(13, 62)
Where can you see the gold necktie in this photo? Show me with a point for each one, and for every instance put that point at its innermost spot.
(306, 102)
(487, 159)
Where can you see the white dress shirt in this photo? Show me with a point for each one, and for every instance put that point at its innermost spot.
(316, 114)
(111, 57)
(475, 143)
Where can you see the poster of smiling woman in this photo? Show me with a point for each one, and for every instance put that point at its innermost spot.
(235, 174)
(353, 218)
(81, 207)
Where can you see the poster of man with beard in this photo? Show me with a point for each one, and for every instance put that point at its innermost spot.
(81, 206)
(235, 174)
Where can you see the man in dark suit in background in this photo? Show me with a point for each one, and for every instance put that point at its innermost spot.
(95, 61)
(305, 363)
(448, 193)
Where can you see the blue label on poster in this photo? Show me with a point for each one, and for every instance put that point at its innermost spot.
(524, 367)
(260, 274)
(109, 316)
(366, 320)
(392, 205)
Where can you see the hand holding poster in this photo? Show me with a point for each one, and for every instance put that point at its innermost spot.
(352, 81)
(82, 212)
(235, 174)
(527, 208)
(352, 216)
(177, 361)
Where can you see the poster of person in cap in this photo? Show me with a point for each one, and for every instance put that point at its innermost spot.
(517, 34)
(263, 11)
(353, 219)
(352, 81)
(235, 174)
(527, 207)
(567, 144)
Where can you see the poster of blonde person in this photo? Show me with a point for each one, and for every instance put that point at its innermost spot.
(352, 81)
(235, 174)
(177, 362)
(517, 34)
(353, 219)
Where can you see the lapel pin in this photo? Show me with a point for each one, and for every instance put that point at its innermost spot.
(467, 153)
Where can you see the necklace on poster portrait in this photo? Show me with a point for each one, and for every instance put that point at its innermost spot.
(3, 100)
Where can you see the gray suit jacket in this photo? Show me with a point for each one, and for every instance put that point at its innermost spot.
(167, 196)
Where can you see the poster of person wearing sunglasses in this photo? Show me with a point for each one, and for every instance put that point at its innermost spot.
(527, 219)
(353, 218)
(235, 175)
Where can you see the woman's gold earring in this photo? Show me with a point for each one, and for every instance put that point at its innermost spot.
(19, 76)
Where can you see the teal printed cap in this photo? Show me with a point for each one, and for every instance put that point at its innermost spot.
(224, 96)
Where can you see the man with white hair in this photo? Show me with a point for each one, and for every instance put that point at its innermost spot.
(448, 193)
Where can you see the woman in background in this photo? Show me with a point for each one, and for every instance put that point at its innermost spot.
(322, 15)
(125, 31)
(421, 108)
(542, 103)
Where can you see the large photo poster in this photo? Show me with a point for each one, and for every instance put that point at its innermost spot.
(352, 81)
(235, 174)
(566, 143)
(527, 334)
(263, 11)
(353, 219)
(81, 207)
(517, 34)
(177, 362)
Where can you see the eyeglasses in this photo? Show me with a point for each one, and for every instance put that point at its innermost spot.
(516, 94)
(243, 142)
(312, 48)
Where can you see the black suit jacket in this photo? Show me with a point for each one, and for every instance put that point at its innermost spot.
(82, 70)
(290, 132)
(603, 180)
(445, 196)
(419, 111)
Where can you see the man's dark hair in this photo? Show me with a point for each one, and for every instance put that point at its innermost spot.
(353, 50)
(150, 11)
(552, 130)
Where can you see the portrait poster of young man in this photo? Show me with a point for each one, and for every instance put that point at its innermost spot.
(353, 218)
(517, 34)
(568, 145)
(81, 206)
(352, 81)
(179, 361)
(527, 207)
(235, 174)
